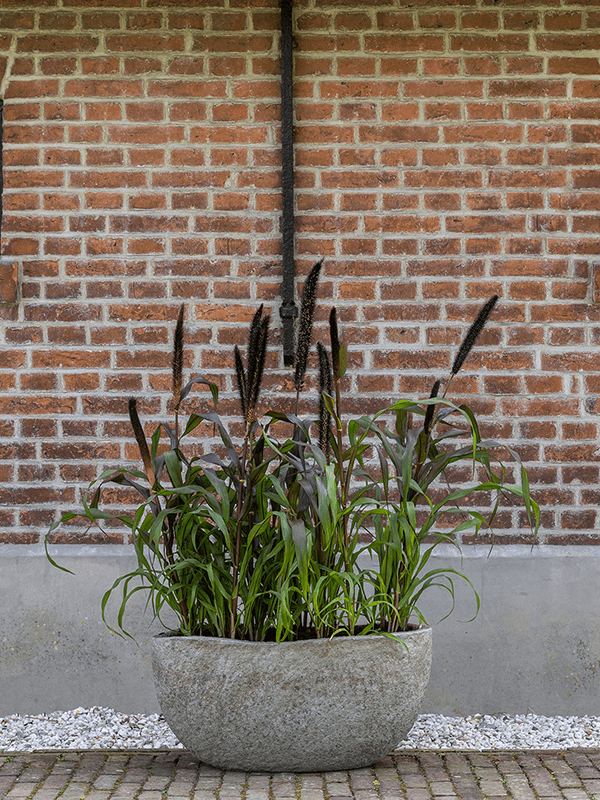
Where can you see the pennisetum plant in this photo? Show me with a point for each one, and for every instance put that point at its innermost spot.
(326, 529)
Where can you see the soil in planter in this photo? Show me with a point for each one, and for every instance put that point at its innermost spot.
(302, 634)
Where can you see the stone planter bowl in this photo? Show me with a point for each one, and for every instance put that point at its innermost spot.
(309, 706)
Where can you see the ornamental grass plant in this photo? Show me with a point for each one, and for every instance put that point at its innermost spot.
(304, 526)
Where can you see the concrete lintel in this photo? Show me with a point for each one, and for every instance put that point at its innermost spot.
(474, 551)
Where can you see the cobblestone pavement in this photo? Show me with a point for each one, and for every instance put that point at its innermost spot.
(414, 775)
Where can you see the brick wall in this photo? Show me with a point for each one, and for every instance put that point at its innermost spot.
(445, 151)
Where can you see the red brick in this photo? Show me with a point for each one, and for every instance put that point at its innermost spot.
(9, 283)
(578, 42)
(425, 194)
(141, 65)
(57, 43)
(401, 43)
(483, 133)
(480, 20)
(104, 200)
(444, 88)
(437, 179)
(147, 42)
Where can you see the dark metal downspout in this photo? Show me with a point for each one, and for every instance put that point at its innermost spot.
(288, 310)
(1, 162)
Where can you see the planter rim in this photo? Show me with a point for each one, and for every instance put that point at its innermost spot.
(227, 641)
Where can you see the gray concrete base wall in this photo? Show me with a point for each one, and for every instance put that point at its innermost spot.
(534, 645)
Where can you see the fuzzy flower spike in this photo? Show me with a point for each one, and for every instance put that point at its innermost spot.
(307, 312)
(249, 381)
(473, 333)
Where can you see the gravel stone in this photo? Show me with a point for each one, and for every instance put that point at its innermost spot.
(106, 729)
(502, 732)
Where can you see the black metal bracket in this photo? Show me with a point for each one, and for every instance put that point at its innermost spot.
(288, 310)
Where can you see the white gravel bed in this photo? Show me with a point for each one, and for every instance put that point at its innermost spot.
(103, 728)
(502, 732)
(85, 728)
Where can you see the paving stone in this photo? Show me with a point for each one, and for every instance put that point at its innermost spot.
(593, 787)
(520, 788)
(567, 780)
(308, 779)
(104, 782)
(388, 782)
(206, 782)
(493, 788)
(257, 781)
(12, 769)
(338, 789)
(283, 789)
(183, 787)
(419, 794)
(44, 794)
(260, 793)
(230, 780)
(588, 772)
(435, 774)
(412, 781)
(5, 784)
(125, 792)
(361, 781)
(21, 790)
(442, 788)
(74, 791)
(336, 777)
(414, 775)
(157, 783)
(575, 794)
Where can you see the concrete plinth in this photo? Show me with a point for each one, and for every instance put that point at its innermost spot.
(535, 643)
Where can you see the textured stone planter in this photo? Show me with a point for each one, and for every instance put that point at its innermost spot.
(308, 706)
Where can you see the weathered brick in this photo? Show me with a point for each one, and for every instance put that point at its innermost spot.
(440, 158)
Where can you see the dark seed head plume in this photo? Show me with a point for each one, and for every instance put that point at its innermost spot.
(141, 439)
(307, 312)
(472, 334)
(430, 409)
(261, 354)
(325, 381)
(325, 386)
(178, 358)
(240, 374)
(335, 343)
(252, 354)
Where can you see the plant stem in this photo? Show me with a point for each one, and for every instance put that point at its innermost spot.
(171, 559)
(340, 460)
(242, 503)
